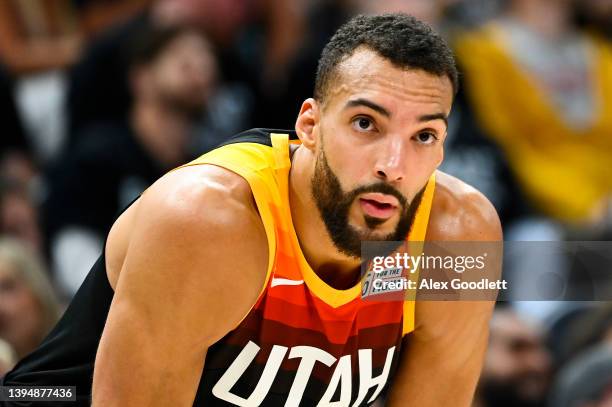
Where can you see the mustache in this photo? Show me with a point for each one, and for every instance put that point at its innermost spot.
(380, 187)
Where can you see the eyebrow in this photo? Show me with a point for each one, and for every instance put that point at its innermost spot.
(368, 103)
(378, 108)
(434, 116)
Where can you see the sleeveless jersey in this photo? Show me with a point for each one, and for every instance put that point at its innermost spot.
(303, 343)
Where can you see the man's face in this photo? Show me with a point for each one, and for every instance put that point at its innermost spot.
(517, 368)
(183, 75)
(379, 138)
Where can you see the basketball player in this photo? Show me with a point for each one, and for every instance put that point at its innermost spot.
(235, 279)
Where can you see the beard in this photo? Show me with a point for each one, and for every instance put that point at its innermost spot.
(506, 394)
(191, 106)
(334, 205)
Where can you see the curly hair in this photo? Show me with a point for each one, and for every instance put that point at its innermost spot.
(402, 39)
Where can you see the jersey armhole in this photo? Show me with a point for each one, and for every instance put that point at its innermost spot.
(258, 190)
(408, 318)
(417, 235)
(268, 221)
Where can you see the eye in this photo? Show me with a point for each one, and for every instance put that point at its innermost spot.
(426, 137)
(363, 124)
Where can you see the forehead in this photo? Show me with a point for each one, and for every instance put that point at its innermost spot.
(367, 74)
(188, 43)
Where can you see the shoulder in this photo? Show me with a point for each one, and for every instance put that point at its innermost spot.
(199, 201)
(195, 227)
(203, 204)
(461, 212)
(200, 193)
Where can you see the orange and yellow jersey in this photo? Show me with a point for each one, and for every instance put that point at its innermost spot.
(303, 342)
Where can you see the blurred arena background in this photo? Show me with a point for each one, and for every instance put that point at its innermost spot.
(98, 98)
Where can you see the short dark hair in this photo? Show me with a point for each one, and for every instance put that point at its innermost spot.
(150, 41)
(402, 39)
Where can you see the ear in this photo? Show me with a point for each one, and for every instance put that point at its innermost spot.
(307, 123)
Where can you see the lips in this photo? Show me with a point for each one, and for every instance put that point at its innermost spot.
(379, 205)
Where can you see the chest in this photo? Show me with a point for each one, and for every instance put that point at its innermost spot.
(291, 350)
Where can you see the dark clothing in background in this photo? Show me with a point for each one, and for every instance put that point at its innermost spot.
(98, 87)
(104, 172)
(13, 134)
(279, 107)
(473, 157)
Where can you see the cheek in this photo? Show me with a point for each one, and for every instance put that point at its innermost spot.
(168, 75)
(351, 158)
(350, 163)
(420, 166)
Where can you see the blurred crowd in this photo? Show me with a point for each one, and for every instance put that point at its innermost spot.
(99, 98)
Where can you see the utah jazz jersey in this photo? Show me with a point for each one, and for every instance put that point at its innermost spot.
(303, 343)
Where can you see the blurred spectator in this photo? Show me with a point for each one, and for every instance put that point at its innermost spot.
(19, 215)
(173, 72)
(252, 40)
(38, 41)
(517, 368)
(586, 381)
(28, 305)
(543, 91)
(7, 357)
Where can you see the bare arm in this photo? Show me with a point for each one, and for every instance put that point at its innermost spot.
(442, 359)
(194, 266)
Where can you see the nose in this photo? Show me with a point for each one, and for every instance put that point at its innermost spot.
(390, 163)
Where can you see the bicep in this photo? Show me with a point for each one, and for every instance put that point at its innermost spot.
(182, 286)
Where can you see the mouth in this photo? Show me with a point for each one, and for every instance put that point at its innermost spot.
(379, 205)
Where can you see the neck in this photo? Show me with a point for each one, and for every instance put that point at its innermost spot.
(336, 269)
(163, 133)
(550, 19)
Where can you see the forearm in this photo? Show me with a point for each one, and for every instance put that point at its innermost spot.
(144, 370)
